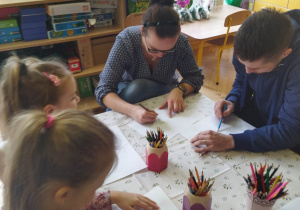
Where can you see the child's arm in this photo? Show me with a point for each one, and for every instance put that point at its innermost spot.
(101, 201)
(127, 201)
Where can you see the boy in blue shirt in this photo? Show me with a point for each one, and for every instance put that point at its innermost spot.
(266, 90)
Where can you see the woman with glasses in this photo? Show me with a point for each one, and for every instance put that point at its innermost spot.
(142, 65)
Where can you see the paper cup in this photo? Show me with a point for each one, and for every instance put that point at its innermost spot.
(255, 203)
(192, 202)
(157, 158)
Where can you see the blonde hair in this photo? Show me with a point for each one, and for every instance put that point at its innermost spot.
(75, 149)
(24, 86)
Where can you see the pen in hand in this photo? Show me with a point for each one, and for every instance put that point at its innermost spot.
(144, 108)
(225, 107)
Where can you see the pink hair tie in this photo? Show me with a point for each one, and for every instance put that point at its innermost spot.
(52, 78)
(49, 122)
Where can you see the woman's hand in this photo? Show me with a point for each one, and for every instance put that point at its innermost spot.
(219, 106)
(127, 201)
(174, 101)
(214, 141)
(142, 116)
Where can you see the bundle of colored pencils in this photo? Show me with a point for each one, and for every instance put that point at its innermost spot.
(266, 185)
(200, 187)
(156, 139)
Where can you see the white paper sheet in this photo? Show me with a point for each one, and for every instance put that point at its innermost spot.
(231, 124)
(161, 198)
(157, 195)
(194, 105)
(129, 161)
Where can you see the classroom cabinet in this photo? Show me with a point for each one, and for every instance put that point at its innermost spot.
(93, 47)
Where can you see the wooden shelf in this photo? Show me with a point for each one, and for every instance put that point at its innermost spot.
(16, 3)
(88, 103)
(97, 32)
(90, 71)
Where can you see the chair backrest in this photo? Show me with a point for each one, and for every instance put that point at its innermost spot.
(237, 18)
(134, 19)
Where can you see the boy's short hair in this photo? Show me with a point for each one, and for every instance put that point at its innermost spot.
(265, 34)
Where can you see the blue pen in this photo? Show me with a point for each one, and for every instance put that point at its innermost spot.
(225, 107)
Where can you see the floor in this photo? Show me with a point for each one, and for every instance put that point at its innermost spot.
(209, 68)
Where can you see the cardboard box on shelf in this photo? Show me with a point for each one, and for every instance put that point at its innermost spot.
(70, 17)
(103, 3)
(64, 33)
(9, 31)
(69, 25)
(68, 8)
(85, 86)
(10, 38)
(9, 12)
(8, 23)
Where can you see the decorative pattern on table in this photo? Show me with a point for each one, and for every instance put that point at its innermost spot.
(181, 159)
(112, 118)
(197, 106)
(289, 167)
(129, 184)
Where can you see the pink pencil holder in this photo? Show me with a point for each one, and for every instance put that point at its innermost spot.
(157, 158)
(255, 203)
(192, 202)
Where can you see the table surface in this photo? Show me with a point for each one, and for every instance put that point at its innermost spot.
(212, 27)
(227, 168)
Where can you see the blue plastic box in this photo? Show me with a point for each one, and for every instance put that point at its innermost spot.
(9, 31)
(33, 18)
(32, 10)
(35, 37)
(32, 25)
(34, 31)
(11, 38)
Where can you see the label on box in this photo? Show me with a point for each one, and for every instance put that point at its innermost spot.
(65, 33)
(103, 3)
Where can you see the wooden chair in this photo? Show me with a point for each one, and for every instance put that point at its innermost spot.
(134, 19)
(227, 41)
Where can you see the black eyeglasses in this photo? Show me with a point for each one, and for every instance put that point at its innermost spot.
(158, 51)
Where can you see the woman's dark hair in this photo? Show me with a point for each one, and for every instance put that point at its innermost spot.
(161, 17)
(265, 34)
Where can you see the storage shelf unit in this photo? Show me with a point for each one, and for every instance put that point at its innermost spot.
(85, 50)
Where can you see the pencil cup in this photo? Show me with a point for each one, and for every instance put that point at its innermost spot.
(192, 202)
(157, 158)
(255, 203)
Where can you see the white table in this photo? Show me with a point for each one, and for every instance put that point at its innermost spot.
(227, 168)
